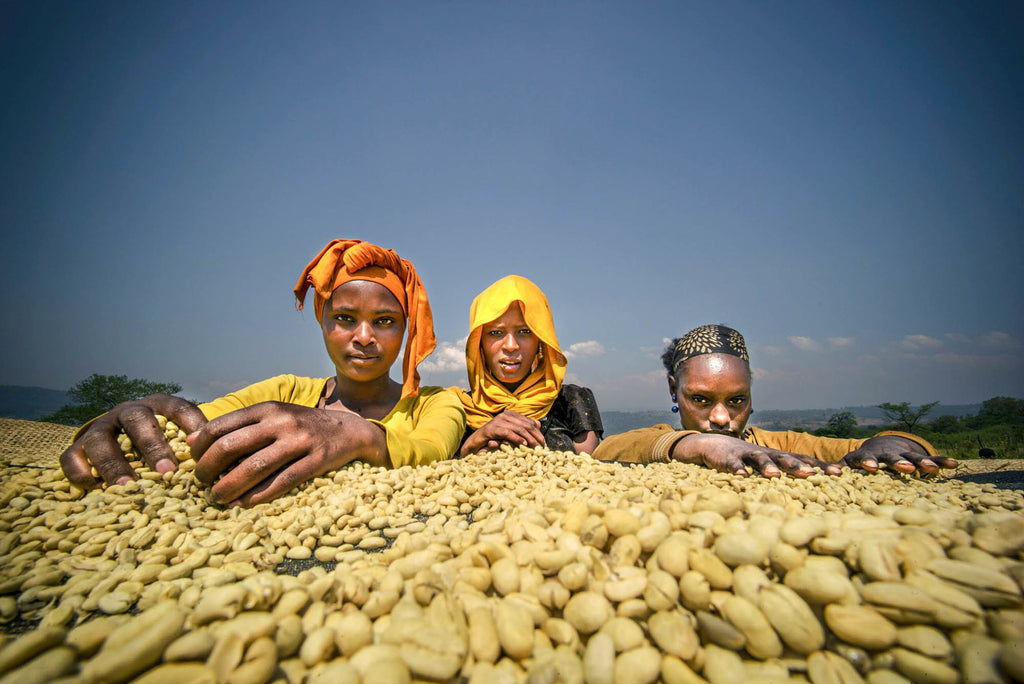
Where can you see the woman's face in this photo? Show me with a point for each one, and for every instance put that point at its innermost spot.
(713, 392)
(509, 347)
(363, 326)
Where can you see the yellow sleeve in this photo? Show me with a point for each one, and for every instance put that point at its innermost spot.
(827, 449)
(424, 428)
(644, 445)
(289, 389)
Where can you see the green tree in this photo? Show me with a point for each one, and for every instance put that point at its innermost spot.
(998, 411)
(946, 424)
(99, 393)
(903, 415)
(841, 424)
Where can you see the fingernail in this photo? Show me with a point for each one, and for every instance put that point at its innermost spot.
(124, 479)
(164, 465)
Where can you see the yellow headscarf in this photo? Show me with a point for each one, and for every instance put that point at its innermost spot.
(344, 260)
(533, 398)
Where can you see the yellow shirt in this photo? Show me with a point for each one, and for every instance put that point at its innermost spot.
(655, 444)
(420, 429)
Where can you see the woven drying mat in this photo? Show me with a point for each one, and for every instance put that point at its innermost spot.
(27, 442)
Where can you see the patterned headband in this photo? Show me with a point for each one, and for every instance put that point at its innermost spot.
(708, 339)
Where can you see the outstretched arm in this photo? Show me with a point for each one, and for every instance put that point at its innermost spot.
(96, 445)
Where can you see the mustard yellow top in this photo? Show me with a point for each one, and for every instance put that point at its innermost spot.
(533, 398)
(420, 429)
(647, 445)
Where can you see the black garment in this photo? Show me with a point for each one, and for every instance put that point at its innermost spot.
(574, 411)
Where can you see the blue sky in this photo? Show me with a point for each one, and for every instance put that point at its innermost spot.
(842, 182)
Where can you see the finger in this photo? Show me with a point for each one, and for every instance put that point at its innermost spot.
(185, 415)
(280, 483)
(261, 464)
(527, 428)
(923, 463)
(100, 448)
(762, 463)
(139, 422)
(229, 447)
(76, 467)
(944, 462)
(797, 465)
(726, 464)
(827, 468)
(200, 440)
(896, 462)
(860, 459)
(513, 434)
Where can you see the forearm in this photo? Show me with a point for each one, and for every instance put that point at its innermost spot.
(586, 442)
(693, 447)
(639, 446)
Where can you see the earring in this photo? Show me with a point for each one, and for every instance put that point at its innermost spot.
(675, 408)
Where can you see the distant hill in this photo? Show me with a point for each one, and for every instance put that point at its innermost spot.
(30, 403)
(775, 419)
(622, 421)
(811, 419)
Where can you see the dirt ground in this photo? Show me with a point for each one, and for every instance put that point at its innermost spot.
(984, 465)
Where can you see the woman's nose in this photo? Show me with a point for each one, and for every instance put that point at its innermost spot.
(509, 343)
(719, 415)
(364, 334)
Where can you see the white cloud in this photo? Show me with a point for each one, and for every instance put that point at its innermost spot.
(447, 357)
(841, 341)
(771, 351)
(919, 342)
(760, 374)
(805, 343)
(582, 350)
(995, 339)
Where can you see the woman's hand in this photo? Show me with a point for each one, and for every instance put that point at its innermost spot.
(97, 447)
(508, 427)
(900, 454)
(732, 455)
(262, 451)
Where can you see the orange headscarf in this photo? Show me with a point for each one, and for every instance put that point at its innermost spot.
(344, 260)
(533, 398)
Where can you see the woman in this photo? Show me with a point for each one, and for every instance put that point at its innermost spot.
(709, 381)
(258, 443)
(515, 365)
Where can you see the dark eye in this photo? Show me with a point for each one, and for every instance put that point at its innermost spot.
(343, 318)
(699, 399)
(738, 401)
(494, 333)
(525, 331)
(385, 321)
